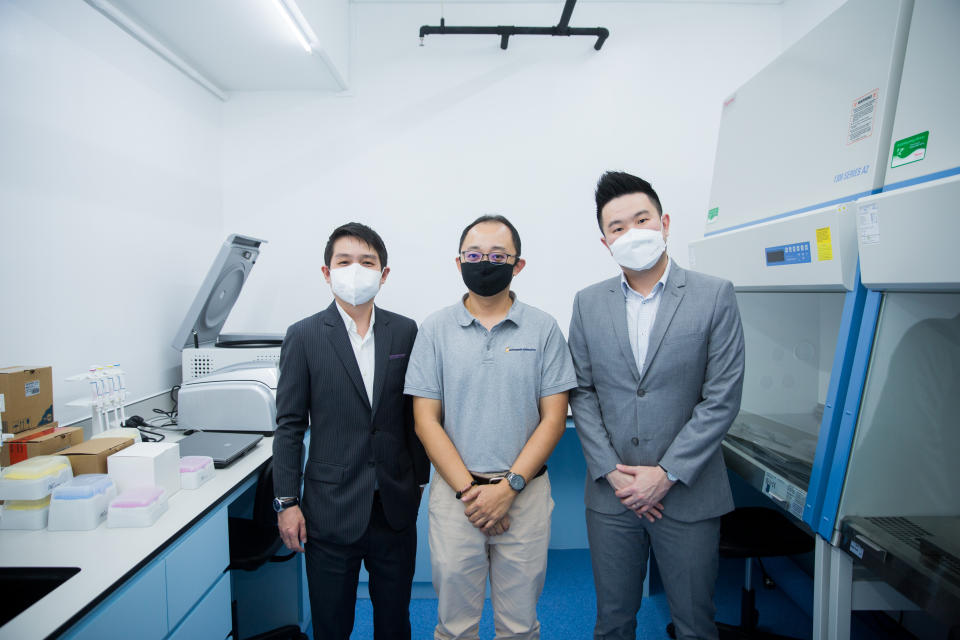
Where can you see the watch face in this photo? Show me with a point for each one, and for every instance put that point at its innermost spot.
(516, 482)
(277, 505)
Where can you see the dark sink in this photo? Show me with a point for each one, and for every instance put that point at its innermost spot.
(23, 586)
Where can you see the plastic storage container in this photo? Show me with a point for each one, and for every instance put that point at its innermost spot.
(195, 470)
(25, 514)
(137, 507)
(34, 478)
(81, 503)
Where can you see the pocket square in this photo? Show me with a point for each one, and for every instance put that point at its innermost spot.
(396, 356)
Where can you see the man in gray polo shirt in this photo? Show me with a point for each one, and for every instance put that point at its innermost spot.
(489, 376)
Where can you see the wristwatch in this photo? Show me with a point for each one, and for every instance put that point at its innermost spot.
(516, 481)
(670, 476)
(279, 504)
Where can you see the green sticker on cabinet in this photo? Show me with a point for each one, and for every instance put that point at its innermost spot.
(912, 149)
(712, 214)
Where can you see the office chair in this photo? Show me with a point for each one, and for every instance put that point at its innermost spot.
(255, 542)
(756, 532)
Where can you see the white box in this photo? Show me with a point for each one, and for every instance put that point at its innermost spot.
(25, 514)
(34, 478)
(138, 507)
(195, 470)
(81, 504)
(146, 464)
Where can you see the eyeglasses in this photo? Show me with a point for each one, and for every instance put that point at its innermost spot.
(495, 257)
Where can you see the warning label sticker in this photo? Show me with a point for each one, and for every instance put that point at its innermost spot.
(862, 116)
(824, 244)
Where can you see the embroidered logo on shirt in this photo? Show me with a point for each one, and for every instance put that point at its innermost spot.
(509, 349)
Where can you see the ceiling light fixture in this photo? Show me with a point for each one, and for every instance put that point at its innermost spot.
(294, 18)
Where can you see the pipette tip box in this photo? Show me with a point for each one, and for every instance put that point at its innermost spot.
(34, 478)
(25, 514)
(137, 507)
(195, 471)
(81, 504)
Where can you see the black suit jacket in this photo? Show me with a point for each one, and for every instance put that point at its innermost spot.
(351, 442)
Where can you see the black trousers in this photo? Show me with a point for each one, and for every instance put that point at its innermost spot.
(333, 572)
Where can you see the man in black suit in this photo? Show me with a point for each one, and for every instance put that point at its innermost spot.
(344, 368)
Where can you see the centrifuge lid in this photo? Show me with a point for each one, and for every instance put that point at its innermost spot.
(219, 291)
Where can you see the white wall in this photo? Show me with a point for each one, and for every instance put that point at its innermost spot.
(431, 137)
(109, 197)
(114, 196)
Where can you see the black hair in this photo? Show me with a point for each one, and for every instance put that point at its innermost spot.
(361, 232)
(614, 184)
(489, 218)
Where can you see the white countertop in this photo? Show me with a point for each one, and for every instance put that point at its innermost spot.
(105, 555)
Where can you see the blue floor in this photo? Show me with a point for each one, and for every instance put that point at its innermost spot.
(567, 608)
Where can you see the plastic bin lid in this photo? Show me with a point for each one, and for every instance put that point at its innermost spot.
(83, 487)
(219, 291)
(27, 505)
(189, 464)
(137, 497)
(35, 468)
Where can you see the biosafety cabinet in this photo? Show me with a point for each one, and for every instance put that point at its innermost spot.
(798, 144)
(842, 243)
(892, 502)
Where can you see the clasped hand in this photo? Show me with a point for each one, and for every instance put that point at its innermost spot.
(486, 507)
(641, 489)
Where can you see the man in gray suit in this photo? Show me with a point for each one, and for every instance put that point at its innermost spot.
(658, 353)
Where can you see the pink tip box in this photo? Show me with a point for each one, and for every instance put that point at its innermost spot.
(195, 470)
(137, 507)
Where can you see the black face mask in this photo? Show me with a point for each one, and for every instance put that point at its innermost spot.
(485, 278)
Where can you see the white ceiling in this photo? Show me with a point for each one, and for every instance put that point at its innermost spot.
(239, 45)
(245, 45)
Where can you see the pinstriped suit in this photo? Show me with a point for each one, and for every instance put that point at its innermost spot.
(355, 447)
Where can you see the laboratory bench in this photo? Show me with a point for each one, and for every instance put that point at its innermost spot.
(163, 581)
(168, 580)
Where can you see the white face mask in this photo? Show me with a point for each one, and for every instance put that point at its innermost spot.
(638, 249)
(355, 284)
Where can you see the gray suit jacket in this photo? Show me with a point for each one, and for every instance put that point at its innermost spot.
(678, 409)
(353, 444)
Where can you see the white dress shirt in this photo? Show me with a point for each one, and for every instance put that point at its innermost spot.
(363, 349)
(641, 313)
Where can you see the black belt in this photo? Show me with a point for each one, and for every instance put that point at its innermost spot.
(496, 479)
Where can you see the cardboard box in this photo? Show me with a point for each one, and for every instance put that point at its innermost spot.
(147, 464)
(91, 456)
(44, 441)
(26, 398)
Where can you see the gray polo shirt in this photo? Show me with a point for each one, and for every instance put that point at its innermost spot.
(490, 382)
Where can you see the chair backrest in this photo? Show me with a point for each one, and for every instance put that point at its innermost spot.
(263, 514)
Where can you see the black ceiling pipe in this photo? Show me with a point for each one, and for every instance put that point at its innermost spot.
(562, 29)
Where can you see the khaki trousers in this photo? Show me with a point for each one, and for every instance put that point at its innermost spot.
(516, 561)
